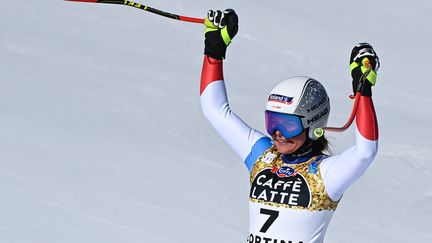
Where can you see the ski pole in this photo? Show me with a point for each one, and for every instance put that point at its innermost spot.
(356, 102)
(350, 120)
(145, 8)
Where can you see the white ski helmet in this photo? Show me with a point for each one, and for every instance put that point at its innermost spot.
(301, 96)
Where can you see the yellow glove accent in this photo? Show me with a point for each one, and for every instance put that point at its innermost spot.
(365, 67)
(209, 26)
(225, 36)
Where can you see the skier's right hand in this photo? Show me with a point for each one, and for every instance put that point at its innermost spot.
(221, 27)
(364, 63)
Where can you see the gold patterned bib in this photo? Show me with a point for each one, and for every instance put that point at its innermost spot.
(296, 186)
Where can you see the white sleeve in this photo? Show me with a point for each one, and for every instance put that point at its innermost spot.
(340, 171)
(215, 106)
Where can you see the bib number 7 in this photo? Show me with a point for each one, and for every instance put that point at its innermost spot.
(273, 214)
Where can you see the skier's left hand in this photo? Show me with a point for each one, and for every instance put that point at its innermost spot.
(221, 27)
(364, 64)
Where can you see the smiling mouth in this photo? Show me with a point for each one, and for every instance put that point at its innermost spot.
(283, 140)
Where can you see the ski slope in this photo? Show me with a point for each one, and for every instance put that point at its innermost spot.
(102, 137)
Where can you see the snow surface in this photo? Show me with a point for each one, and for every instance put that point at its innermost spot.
(102, 137)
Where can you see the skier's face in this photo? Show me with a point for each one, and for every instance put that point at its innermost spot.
(288, 145)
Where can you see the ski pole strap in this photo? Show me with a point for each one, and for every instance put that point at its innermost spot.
(370, 74)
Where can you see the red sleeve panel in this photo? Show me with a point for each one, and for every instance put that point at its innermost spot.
(366, 120)
(211, 71)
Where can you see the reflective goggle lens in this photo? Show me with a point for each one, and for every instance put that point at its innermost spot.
(289, 125)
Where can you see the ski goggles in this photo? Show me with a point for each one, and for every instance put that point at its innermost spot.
(289, 125)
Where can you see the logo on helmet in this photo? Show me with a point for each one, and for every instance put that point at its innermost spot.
(317, 105)
(281, 99)
(318, 116)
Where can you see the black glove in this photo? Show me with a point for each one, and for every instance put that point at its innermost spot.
(221, 29)
(364, 63)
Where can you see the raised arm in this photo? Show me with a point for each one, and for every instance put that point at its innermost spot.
(246, 142)
(340, 171)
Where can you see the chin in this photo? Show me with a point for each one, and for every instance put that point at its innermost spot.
(286, 149)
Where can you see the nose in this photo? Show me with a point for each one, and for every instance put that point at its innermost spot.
(278, 134)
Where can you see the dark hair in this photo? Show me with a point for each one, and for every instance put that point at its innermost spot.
(321, 146)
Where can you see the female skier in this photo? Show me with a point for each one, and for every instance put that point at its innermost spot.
(294, 186)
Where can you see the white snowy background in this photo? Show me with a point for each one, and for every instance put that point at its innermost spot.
(102, 138)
